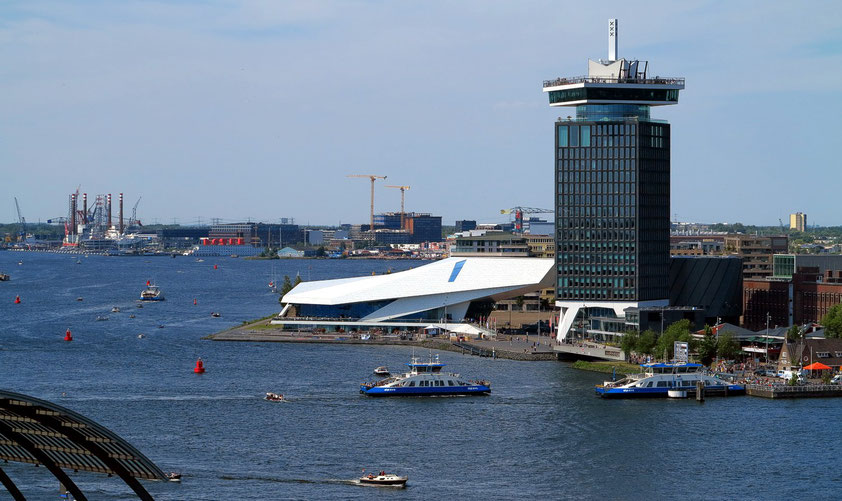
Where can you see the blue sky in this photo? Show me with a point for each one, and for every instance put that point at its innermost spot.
(259, 109)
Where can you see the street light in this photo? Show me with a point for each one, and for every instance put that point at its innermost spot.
(767, 337)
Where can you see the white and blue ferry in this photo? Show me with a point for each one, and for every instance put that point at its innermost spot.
(658, 379)
(425, 379)
(151, 293)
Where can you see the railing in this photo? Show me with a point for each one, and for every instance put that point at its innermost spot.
(785, 388)
(609, 80)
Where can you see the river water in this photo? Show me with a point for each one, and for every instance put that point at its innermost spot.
(540, 434)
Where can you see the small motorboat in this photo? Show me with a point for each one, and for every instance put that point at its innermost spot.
(101, 318)
(79, 298)
(78, 261)
(141, 336)
(381, 371)
(383, 479)
(140, 305)
(274, 397)
(173, 476)
(161, 326)
(115, 309)
(131, 316)
(4, 277)
(215, 314)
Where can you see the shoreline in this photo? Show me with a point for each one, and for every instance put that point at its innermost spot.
(260, 331)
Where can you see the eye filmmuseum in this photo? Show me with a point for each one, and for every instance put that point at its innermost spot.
(612, 174)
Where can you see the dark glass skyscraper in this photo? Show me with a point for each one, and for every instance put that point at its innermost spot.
(612, 167)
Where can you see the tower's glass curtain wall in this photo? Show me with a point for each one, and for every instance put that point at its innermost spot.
(612, 167)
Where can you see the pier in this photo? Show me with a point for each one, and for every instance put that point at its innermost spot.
(786, 391)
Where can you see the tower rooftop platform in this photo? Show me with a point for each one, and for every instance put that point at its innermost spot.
(574, 91)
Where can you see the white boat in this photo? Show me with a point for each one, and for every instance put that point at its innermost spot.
(383, 479)
(151, 293)
(101, 318)
(115, 309)
(658, 379)
(381, 371)
(274, 397)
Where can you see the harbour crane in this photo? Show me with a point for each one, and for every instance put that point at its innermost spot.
(22, 221)
(372, 177)
(520, 211)
(403, 190)
(134, 213)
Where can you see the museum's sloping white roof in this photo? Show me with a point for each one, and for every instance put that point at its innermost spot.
(448, 276)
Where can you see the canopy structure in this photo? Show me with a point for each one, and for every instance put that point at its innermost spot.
(43, 433)
(817, 366)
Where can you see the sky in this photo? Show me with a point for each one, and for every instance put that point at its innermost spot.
(259, 110)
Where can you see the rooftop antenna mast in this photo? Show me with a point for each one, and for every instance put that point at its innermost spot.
(612, 39)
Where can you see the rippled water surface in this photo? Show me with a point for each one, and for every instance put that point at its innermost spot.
(541, 434)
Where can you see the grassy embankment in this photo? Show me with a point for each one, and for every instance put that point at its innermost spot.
(607, 367)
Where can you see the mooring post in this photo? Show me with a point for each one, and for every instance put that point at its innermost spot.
(700, 391)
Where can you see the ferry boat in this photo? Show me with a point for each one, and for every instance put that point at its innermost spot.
(425, 379)
(658, 379)
(152, 293)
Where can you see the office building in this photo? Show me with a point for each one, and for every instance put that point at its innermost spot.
(798, 221)
(612, 170)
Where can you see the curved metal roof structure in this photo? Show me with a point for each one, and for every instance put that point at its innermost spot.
(451, 281)
(43, 433)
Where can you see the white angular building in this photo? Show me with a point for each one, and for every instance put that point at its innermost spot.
(446, 291)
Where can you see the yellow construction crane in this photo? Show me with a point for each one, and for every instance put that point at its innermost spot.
(403, 189)
(373, 178)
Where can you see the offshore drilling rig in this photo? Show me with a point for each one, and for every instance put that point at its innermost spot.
(95, 227)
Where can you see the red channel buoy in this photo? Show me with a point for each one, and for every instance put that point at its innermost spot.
(68, 336)
(194, 301)
(17, 299)
(200, 367)
(215, 267)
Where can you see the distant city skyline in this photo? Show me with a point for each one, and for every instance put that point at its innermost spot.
(259, 110)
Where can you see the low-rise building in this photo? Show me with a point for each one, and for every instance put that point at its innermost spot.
(756, 252)
(490, 243)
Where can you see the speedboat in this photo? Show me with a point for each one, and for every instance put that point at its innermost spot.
(425, 379)
(101, 318)
(215, 314)
(173, 476)
(383, 479)
(152, 293)
(274, 397)
(381, 371)
(115, 309)
(658, 379)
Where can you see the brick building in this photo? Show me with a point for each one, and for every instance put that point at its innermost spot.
(803, 298)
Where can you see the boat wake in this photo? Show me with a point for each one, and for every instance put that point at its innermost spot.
(280, 480)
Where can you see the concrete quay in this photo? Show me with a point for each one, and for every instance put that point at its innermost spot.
(526, 348)
(800, 391)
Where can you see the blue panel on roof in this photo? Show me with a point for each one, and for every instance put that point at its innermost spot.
(456, 269)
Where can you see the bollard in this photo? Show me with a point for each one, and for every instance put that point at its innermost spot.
(700, 391)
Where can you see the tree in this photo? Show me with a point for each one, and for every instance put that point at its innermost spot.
(320, 252)
(646, 343)
(707, 348)
(629, 342)
(297, 280)
(792, 334)
(727, 347)
(287, 285)
(832, 322)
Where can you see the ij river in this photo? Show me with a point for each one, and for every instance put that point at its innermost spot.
(541, 434)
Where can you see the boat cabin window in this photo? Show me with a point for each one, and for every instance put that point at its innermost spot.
(411, 383)
(439, 383)
(450, 382)
(662, 384)
(420, 368)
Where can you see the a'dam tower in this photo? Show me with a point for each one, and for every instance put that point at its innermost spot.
(612, 167)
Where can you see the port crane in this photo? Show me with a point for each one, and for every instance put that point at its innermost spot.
(372, 177)
(22, 221)
(134, 219)
(403, 190)
(520, 211)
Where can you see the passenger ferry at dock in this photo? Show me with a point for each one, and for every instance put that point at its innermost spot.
(658, 379)
(425, 379)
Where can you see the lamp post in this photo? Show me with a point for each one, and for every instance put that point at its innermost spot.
(767, 337)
